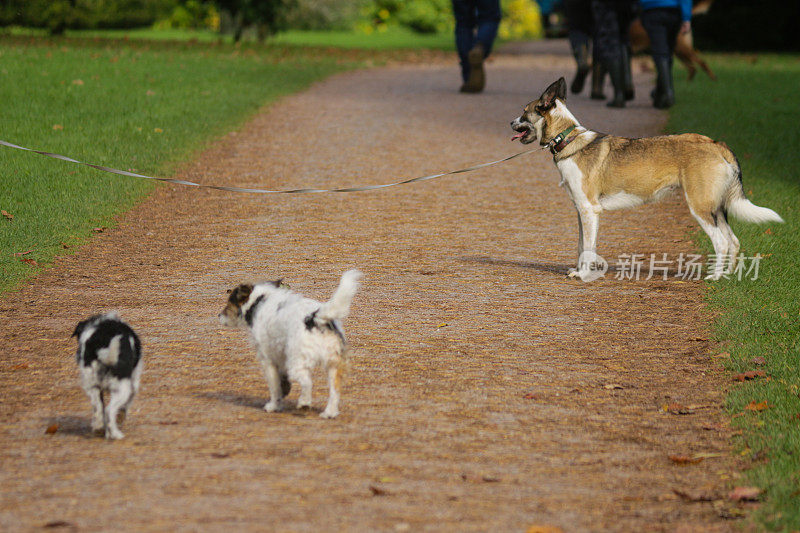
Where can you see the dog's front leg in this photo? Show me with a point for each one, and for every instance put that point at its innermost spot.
(274, 384)
(580, 244)
(588, 224)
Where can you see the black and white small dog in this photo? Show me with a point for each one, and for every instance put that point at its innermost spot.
(109, 360)
(293, 334)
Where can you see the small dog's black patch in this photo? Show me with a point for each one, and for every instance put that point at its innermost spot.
(251, 311)
(105, 331)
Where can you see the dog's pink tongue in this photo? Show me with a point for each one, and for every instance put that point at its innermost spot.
(518, 135)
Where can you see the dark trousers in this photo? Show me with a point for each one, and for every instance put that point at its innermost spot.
(579, 22)
(476, 22)
(662, 26)
(612, 18)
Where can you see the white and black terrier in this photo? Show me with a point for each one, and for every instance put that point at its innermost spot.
(292, 334)
(110, 360)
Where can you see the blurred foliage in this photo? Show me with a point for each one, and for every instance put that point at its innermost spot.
(58, 15)
(422, 16)
(744, 25)
(521, 20)
(191, 14)
(266, 17)
(323, 14)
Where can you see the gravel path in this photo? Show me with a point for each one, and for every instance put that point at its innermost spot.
(485, 390)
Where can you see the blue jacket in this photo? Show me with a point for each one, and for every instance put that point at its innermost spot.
(684, 5)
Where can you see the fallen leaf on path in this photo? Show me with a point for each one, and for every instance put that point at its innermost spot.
(757, 406)
(531, 396)
(6, 214)
(99, 230)
(739, 494)
(378, 491)
(692, 495)
(613, 386)
(544, 529)
(59, 523)
(20, 366)
(52, 428)
(220, 455)
(677, 409)
(490, 479)
(684, 459)
(750, 374)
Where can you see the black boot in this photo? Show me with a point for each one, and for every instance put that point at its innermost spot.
(581, 53)
(617, 73)
(626, 65)
(598, 80)
(664, 94)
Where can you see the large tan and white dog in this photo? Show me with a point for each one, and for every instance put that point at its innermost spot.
(602, 172)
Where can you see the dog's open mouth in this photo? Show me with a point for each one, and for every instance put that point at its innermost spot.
(521, 134)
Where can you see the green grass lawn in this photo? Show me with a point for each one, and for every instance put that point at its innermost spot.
(121, 106)
(393, 38)
(754, 108)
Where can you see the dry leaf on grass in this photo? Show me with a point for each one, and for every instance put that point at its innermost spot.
(750, 374)
(52, 428)
(6, 214)
(758, 360)
(19, 254)
(740, 494)
(757, 406)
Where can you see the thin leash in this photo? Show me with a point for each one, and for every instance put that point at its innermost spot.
(266, 191)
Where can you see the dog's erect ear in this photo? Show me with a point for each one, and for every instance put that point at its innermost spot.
(240, 294)
(557, 89)
(79, 328)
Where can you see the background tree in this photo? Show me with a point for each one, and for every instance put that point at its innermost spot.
(268, 16)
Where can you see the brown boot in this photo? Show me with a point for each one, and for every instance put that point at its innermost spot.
(477, 78)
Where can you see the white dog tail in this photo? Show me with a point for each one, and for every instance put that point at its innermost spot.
(743, 209)
(339, 305)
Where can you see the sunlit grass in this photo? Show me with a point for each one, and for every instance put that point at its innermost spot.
(754, 108)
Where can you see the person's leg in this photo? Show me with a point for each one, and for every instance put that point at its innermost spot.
(488, 16)
(607, 40)
(464, 14)
(662, 30)
(579, 22)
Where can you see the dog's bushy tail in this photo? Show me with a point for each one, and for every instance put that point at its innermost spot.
(339, 305)
(743, 209)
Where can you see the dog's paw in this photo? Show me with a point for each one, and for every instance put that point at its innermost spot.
(271, 407)
(572, 273)
(329, 413)
(303, 404)
(114, 434)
